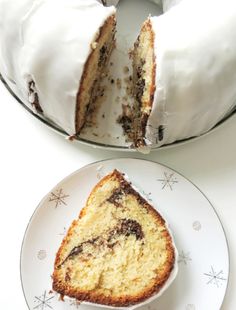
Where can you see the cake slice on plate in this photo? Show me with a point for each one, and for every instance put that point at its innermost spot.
(119, 251)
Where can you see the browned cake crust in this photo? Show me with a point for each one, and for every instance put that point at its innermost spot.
(147, 27)
(91, 296)
(140, 81)
(94, 67)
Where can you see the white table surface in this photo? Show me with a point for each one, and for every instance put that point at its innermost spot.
(34, 159)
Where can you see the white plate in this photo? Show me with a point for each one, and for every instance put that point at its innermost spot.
(203, 253)
(107, 133)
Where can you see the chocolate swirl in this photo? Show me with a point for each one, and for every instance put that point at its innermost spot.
(125, 227)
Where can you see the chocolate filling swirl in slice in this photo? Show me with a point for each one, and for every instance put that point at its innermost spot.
(125, 227)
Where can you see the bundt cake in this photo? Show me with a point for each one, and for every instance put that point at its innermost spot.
(53, 54)
(119, 252)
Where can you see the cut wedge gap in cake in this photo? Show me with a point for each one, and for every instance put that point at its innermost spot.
(144, 68)
(95, 67)
(119, 252)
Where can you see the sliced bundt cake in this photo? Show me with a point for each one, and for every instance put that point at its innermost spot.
(119, 251)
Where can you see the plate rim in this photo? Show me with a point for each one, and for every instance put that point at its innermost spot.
(110, 160)
(111, 147)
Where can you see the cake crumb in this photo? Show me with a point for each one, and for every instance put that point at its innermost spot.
(126, 119)
(71, 138)
(144, 149)
(94, 45)
(131, 53)
(118, 83)
(61, 297)
(126, 80)
(117, 99)
(126, 69)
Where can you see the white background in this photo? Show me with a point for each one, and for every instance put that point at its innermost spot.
(34, 159)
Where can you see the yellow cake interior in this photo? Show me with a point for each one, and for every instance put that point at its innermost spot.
(144, 79)
(94, 68)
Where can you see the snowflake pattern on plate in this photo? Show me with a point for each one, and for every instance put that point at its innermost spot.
(58, 197)
(197, 226)
(42, 254)
(215, 278)
(43, 301)
(75, 303)
(168, 180)
(184, 257)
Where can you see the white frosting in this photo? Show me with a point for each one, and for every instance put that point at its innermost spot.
(158, 2)
(49, 41)
(195, 50)
(166, 4)
(109, 2)
(112, 2)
